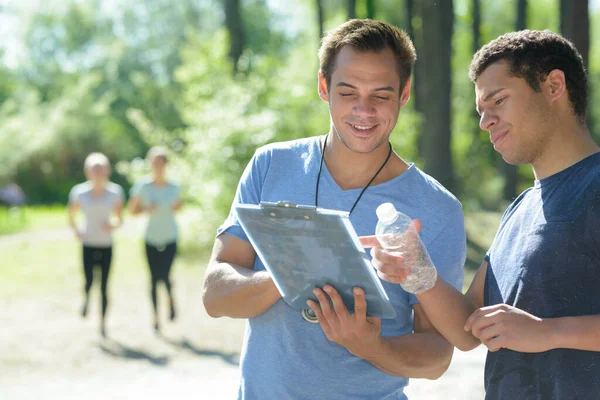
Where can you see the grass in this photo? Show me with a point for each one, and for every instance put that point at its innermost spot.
(23, 219)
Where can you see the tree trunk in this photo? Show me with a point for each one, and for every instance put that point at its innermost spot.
(511, 172)
(320, 18)
(370, 9)
(351, 9)
(416, 87)
(521, 15)
(436, 57)
(575, 25)
(476, 30)
(235, 27)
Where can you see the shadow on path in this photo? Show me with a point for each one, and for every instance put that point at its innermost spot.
(185, 344)
(118, 350)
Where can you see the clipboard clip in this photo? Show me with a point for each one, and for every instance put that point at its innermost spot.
(275, 209)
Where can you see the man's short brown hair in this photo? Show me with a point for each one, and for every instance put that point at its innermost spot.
(366, 35)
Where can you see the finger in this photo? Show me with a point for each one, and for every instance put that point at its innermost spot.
(392, 270)
(369, 241)
(477, 313)
(484, 321)
(338, 304)
(488, 333)
(320, 317)
(360, 304)
(416, 223)
(387, 257)
(324, 303)
(391, 278)
(496, 343)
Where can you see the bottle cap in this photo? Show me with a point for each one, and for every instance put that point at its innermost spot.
(386, 212)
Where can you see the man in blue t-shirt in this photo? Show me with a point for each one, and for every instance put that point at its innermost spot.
(364, 77)
(534, 301)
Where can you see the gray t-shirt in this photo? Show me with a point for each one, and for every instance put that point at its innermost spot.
(97, 211)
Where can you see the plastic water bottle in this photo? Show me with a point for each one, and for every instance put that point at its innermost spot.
(396, 233)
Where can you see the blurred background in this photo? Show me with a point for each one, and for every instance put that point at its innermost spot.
(211, 80)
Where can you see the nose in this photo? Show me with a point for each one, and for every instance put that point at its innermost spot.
(487, 120)
(364, 107)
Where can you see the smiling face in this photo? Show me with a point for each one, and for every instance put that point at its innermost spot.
(517, 117)
(364, 98)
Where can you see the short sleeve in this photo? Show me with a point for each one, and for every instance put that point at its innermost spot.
(248, 192)
(448, 251)
(74, 194)
(136, 189)
(120, 194)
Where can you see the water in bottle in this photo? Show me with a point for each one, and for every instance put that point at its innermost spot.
(396, 233)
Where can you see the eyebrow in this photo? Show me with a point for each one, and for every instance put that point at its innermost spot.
(380, 89)
(488, 97)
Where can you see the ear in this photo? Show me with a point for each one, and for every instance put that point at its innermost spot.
(322, 87)
(405, 95)
(555, 85)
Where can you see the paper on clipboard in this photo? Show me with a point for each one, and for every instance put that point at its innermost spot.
(304, 247)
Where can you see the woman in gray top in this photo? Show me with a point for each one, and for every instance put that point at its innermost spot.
(98, 199)
(160, 199)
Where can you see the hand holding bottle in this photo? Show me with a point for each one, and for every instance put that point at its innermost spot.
(405, 258)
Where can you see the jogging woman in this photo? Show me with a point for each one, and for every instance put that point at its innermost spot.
(98, 199)
(160, 199)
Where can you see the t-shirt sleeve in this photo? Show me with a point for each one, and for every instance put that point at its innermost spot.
(248, 192)
(448, 251)
(74, 194)
(120, 194)
(136, 189)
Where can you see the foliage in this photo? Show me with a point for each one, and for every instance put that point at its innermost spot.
(92, 76)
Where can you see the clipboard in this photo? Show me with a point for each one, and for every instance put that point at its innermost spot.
(304, 247)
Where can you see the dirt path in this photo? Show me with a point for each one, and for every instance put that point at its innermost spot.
(48, 351)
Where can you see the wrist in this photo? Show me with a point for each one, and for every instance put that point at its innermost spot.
(553, 332)
(371, 350)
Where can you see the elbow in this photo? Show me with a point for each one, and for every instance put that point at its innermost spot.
(437, 370)
(210, 305)
(468, 344)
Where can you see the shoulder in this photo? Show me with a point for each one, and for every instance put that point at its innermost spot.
(80, 189)
(297, 147)
(141, 184)
(174, 186)
(114, 188)
(436, 195)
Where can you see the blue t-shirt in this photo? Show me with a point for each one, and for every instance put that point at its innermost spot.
(285, 357)
(162, 227)
(545, 259)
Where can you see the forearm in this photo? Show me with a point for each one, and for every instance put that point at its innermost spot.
(417, 355)
(448, 310)
(580, 333)
(238, 292)
(72, 222)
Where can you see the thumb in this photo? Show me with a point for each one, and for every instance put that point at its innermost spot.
(369, 241)
(416, 223)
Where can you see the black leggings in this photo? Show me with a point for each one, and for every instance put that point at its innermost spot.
(160, 260)
(102, 257)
